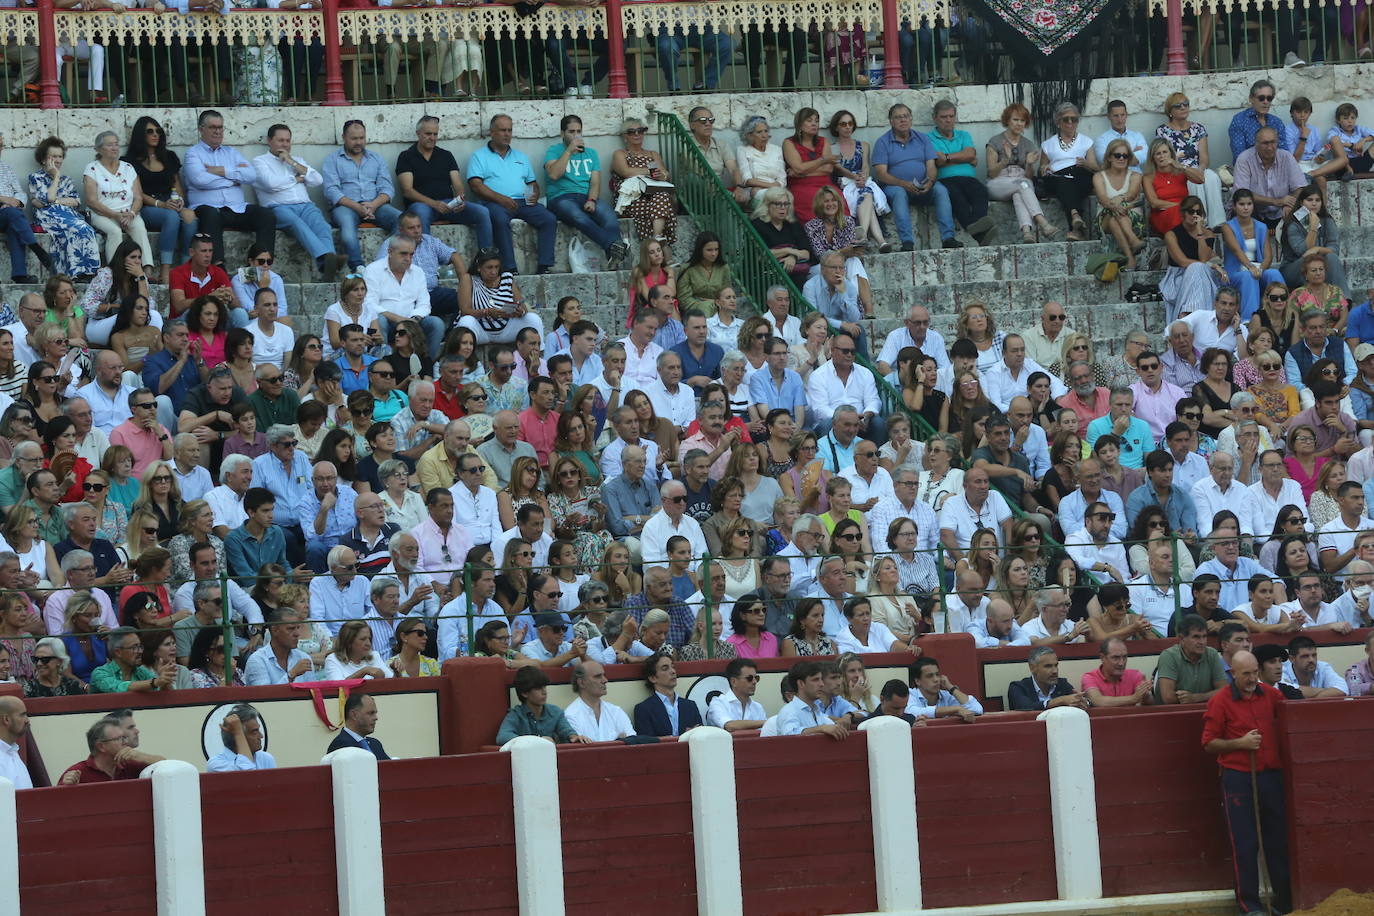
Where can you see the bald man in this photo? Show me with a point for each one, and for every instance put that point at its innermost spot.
(14, 724)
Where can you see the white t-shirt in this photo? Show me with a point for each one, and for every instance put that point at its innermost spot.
(271, 348)
(1060, 158)
(335, 312)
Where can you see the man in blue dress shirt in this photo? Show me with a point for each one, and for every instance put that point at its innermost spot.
(358, 187)
(285, 471)
(215, 175)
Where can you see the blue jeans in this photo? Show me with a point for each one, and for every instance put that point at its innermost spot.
(717, 46)
(901, 199)
(173, 235)
(308, 225)
(20, 236)
(443, 304)
(602, 227)
(433, 328)
(477, 218)
(1250, 288)
(543, 222)
(348, 219)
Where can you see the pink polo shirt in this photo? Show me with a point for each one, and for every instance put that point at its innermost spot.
(1157, 407)
(1130, 680)
(145, 444)
(539, 433)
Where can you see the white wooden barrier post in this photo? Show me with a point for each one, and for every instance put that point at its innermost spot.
(9, 849)
(357, 832)
(1073, 803)
(715, 822)
(892, 790)
(538, 825)
(177, 845)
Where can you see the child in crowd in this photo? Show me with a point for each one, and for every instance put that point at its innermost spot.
(1314, 154)
(1354, 139)
(685, 582)
(246, 439)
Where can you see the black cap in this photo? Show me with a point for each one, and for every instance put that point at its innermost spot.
(1270, 651)
(550, 619)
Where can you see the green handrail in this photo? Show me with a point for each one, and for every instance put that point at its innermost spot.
(711, 203)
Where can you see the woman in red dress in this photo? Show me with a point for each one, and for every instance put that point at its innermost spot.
(1166, 184)
(810, 163)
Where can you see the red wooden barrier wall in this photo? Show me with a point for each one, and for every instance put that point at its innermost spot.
(269, 842)
(627, 830)
(453, 850)
(87, 849)
(983, 813)
(805, 825)
(1329, 758)
(1150, 845)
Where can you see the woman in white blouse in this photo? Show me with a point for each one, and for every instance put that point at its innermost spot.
(940, 478)
(1069, 163)
(353, 655)
(402, 505)
(761, 165)
(114, 197)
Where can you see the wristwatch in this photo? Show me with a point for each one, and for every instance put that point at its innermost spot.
(162, 438)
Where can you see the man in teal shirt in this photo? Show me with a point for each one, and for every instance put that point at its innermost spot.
(257, 541)
(955, 161)
(1134, 433)
(28, 457)
(574, 192)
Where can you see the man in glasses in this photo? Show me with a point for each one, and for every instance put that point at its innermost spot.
(1317, 342)
(904, 166)
(1154, 396)
(1045, 339)
(1245, 410)
(111, 756)
(27, 458)
(286, 472)
(549, 648)
(701, 121)
(870, 482)
(419, 592)
(1248, 122)
(341, 594)
(325, 513)
(736, 709)
(1335, 429)
(1094, 547)
(1271, 173)
(273, 403)
(438, 467)
(474, 504)
(1113, 682)
(1221, 326)
(79, 568)
(670, 520)
(141, 433)
(504, 390)
(1220, 490)
(840, 382)
(215, 177)
(32, 310)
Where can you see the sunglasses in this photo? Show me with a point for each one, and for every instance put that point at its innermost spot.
(704, 120)
(1191, 415)
(93, 487)
(851, 536)
(152, 530)
(44, 659)
(162, 478)
(1121, 155)
(46, 378)
(265, 262)
(749, 678)
(636, 131)
(477, 397)
(286, 443)
(676, 499)
(1269, 367)
(1264, 98)
(1069, 120)
(143, 406)
(269, 379)
(1109, 516)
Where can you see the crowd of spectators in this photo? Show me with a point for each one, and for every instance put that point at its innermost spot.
(208, 498)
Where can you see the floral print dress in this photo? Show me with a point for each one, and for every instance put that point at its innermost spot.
(74, 249)
(589, 545)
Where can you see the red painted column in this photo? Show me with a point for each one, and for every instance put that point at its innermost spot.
(892, 49)
(1176, 57)
(615, 48)
(48, 94)
(333, 63)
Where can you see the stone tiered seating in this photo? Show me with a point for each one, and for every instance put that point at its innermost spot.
(1011, 277)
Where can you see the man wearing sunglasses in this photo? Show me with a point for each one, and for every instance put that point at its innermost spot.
(549, 648)
(670, 520)
(736, 709)
(1095, 547)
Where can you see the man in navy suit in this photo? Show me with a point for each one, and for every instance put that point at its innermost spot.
(360, 721)
(664, 712)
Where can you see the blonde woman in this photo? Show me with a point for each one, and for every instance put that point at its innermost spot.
(523, 490)
(807, 356)
(1077, 347)
(161, 496)
(353, 655)
(977, 324)
(315, 640)
(1118, 191)
(892, 607)
(197, 527)
(760, 492)
(111, 514)
(807, 480)
(142, 534)
(854, 685)
(36, 555)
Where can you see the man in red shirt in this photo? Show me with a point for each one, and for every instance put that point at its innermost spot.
(112, 756)
(448, 389)
(1240, 728)
(198, 277)
(539, 421)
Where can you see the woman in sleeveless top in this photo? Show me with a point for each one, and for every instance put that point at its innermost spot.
(809, 163)
(1166, 185)
(861, 193)
(1118, 191)
(1195, 270)
(1249, 252)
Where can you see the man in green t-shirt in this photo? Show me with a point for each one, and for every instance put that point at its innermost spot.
(574, 192)
(1191, 671)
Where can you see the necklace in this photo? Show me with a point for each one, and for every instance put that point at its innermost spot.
(1067, 145)
(730, 571)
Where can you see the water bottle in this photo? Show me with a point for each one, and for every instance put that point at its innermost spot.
(462, 639)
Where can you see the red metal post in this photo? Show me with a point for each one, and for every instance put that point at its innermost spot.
(333, 62)
(49, 96)
(892, 49)
(615, 48)
(1176, 57)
